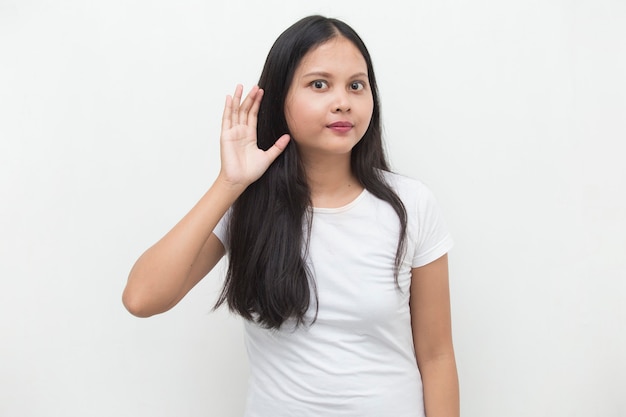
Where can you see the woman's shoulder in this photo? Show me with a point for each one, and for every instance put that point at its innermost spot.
(416, 196)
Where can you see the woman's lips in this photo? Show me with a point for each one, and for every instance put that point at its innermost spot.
(340, 126)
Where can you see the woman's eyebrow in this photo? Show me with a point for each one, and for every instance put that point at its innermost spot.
(318, 74)
(329, 75)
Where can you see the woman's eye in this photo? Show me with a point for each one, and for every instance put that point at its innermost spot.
(356, 86)
(319, 84)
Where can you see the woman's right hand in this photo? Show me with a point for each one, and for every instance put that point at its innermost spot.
(177, 262)
(243, 162)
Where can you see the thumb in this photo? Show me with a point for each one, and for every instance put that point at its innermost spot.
(278, 147)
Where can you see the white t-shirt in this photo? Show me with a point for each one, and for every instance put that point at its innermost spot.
(357, 358)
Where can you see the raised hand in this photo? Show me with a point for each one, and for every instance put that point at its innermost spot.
(242, 160)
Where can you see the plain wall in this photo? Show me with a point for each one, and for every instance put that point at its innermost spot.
(513, 112)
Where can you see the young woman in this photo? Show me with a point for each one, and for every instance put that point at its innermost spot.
(338, 266)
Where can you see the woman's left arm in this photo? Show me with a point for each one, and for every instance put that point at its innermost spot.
(432, 337)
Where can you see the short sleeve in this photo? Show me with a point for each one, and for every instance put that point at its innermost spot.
(221, 230)
(433, 238)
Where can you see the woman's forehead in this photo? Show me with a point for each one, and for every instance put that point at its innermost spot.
(336, 53)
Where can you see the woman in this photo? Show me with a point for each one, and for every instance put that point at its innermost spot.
(338, 266)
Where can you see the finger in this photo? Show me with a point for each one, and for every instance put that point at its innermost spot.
(254, 110)
(236, 104)
(278, 147)
(244, 109)
(227, 116)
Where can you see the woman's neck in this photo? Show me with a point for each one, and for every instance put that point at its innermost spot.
(331, 181)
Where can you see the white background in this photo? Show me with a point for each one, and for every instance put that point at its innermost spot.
(513, 112)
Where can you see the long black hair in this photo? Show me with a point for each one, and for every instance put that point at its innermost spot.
(268, 280)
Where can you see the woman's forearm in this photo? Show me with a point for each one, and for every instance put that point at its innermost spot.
(441, 387)
(162, 275)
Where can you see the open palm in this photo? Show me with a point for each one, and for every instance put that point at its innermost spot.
(243, 162)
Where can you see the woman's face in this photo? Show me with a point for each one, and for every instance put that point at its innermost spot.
(329, 104)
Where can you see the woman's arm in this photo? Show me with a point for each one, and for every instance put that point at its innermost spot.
(432, 337)
(166, 272)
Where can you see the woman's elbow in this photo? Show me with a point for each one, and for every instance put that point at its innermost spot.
(136, 304)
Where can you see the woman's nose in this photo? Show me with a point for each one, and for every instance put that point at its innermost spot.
(341, 103)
